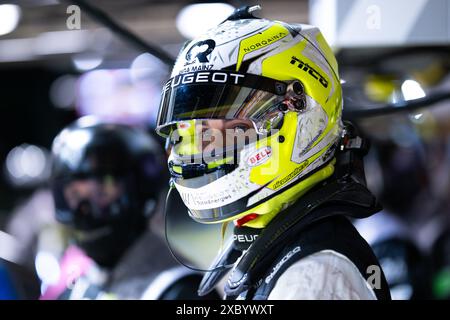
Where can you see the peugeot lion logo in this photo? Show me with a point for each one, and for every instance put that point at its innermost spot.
(200, 51)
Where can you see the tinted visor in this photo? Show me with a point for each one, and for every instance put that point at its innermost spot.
(89, 203)
(218, 95)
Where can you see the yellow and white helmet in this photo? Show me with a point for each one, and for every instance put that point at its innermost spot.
(279, 81)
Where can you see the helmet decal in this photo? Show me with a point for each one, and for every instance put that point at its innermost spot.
(200, 51)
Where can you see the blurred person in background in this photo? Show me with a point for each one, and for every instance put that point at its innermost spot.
(407, 168)
(401, 181)
(108, 181)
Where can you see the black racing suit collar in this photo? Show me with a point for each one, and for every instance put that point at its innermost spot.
(344, 196)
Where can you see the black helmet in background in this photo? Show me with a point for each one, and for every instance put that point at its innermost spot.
(107, 180)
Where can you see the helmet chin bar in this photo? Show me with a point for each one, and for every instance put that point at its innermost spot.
(189, 171)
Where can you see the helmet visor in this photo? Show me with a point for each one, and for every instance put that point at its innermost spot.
(89, 203)
(218, 95)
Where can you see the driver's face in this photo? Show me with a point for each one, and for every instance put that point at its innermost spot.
(216, 134)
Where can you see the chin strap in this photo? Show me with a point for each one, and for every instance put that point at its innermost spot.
(219, 268)
(172, 252)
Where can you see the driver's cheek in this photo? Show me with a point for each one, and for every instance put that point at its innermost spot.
(213, 139)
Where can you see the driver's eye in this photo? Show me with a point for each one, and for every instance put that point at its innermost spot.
(241, 128)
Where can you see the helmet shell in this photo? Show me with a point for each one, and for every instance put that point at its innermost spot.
(300, 154)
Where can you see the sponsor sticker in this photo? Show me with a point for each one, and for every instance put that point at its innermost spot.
(184, 125)
(259, 157)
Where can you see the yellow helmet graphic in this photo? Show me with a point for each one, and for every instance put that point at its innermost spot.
(253, 114)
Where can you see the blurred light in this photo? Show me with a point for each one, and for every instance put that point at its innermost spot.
(401, 292)
(27, 165)
(412, 90)
(26, 161)
(9, 18)
(97, 83)
(33, 161)
(47, 267)
(88, 121)
(195, 19)
(63, 92)
(16, 50)
(421, 117)
(13, 163)
(59, 42)
(396, 97)
(86, 61)
(113, 96)
(145, 66)
(50, 43)
(76, 140)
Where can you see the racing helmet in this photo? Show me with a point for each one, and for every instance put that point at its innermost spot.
(267, 97)
(106, 182)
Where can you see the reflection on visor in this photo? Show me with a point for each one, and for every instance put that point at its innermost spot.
(218, 95)
(213, 138)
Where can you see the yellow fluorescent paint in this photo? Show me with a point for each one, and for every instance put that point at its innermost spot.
(277, 163)
(260, 40)
(214, 164)
(191, 142)
(177, 169)
(279, 67)
(272, 207)
(328, 52)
